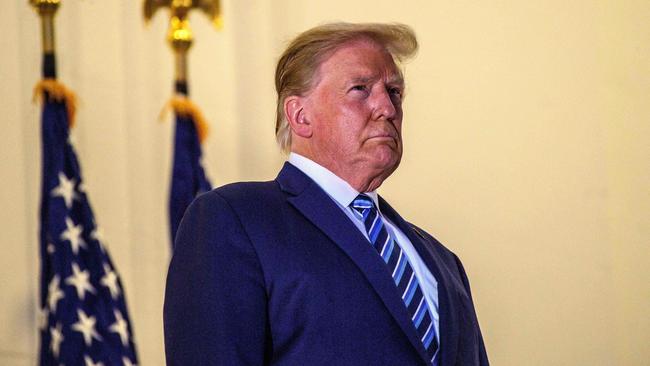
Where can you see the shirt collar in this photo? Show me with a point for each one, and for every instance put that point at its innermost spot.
(335, 187)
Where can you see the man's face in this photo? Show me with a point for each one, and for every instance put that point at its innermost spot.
(356, 111)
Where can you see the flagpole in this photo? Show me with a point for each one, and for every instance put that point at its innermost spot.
(47, 10)
(180, 39)
(188, 176)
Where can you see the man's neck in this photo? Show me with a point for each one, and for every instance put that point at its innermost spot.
(358, 178)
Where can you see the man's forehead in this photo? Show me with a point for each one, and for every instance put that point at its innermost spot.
(362, 61)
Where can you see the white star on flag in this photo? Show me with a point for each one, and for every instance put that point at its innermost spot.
(80, 280)
(110, 281)
(65, 189)
(57, 338)
(120, 327)
(97, 234)
(72, 233)
(86, 326)
(89, 361)
(127, 362)
(54, 293)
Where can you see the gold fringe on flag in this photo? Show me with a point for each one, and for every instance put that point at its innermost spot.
(58, 92)
(182, 106)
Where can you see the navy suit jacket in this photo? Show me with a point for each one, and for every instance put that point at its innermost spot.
(274, 273)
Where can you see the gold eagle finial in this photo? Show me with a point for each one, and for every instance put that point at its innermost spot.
(180, 8)
(180, 35)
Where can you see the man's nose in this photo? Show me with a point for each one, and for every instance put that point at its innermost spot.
(383, 105)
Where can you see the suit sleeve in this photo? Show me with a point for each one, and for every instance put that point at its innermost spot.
(483, 360)
(215, 299)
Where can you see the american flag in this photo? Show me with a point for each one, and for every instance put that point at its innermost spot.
(84, 319)
(188, 176)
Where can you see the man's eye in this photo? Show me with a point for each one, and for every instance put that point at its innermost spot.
(395, 91)
(359, 87)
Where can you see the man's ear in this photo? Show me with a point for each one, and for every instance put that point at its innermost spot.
(294, 110)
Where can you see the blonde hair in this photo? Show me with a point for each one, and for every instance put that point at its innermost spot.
(297, 67)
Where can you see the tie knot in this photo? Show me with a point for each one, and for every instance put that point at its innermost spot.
(362, 203)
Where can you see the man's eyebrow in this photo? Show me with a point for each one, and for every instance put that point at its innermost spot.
(397, 79)
(362, 79)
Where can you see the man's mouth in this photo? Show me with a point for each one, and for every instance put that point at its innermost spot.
(380, 137)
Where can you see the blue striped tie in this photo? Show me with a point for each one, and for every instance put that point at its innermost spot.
(402, 272)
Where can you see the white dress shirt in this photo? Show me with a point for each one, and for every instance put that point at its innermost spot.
(343, 194)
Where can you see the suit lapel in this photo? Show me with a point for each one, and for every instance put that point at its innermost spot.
(308, 198)
(448, 306)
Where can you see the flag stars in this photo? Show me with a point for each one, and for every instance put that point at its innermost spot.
(72, 233)
(97, 234)
(82, 318)
(56, 339)
(54, 293)
(110, 281)
(86, 326)
(65, 190)
(120, 327)
(89, 361)
(80, 280)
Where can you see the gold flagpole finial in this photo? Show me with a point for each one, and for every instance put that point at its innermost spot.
(49, 88)
(180, 35)
(46, 10)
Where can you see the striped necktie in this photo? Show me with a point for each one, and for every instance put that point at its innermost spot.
(397, 264)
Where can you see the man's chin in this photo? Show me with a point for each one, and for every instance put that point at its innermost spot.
(387, 160)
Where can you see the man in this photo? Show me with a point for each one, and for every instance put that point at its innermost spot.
(314, 268)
